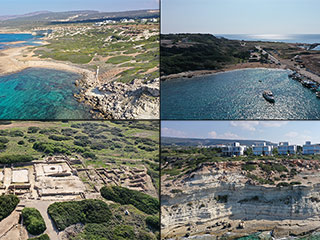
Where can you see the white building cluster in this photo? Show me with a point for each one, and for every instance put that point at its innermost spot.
(125, 20)
(265, 149)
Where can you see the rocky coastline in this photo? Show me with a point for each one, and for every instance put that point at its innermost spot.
(117, 100)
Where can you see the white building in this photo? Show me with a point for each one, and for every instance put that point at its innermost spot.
(309, 148)
(233, 150)
(285, 148)
(259, 149)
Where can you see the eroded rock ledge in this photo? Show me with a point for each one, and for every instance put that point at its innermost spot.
(213, 202)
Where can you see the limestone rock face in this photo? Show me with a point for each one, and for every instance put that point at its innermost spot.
(218, 202)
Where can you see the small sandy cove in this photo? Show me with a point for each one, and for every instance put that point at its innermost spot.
(227, 68)
(17, 59)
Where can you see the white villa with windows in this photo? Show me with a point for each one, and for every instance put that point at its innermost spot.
(259, 149)
(233, 150)
(284, 148)
(310, 149)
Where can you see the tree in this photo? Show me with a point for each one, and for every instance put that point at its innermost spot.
(299, 149)
(275, 152)
(248, 152)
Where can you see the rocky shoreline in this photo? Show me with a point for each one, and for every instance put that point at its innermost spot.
(117, 100)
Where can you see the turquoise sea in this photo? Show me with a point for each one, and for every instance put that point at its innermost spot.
(238, 95)
(6, 39)
(38, 93)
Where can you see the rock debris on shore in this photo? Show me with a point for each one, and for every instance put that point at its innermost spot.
(117, 100)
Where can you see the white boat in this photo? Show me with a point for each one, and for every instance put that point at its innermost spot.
(268, 95)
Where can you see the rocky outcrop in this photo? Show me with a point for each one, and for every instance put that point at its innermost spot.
(71, 231)
(117, 100)
(217, 203)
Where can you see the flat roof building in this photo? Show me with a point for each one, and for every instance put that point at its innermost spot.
(310, 149)
(233, 150)
(259, 149)
(284, 148)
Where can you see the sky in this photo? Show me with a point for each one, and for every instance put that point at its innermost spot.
(240, 16)
(295, 132)
(15, 7)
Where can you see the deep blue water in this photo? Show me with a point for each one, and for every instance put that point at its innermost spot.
(7, 38)
(290, 38)
(37, 93)
(238, 95)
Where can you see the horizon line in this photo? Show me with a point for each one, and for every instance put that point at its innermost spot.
(142, 9)
(266, 34)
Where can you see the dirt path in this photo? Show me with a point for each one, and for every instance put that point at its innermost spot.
(42, 206)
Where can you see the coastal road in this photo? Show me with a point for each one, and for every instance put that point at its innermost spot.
(287, 63)
(269, 55)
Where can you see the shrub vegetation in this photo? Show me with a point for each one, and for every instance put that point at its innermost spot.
(7, 204)
(33, 221)
(65, 214)
(124, 196)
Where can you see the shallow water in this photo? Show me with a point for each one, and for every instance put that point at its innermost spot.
(238, 95)
(6, 39)
(37, 93)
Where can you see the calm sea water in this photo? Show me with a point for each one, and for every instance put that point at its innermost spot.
(238, 95)
(38, 93)
(290, 38)
(7, 38)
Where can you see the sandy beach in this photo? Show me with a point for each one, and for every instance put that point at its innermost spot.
(239, 66)
(17, 42)
(17, 59)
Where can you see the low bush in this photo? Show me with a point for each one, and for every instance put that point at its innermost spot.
(7, 159)
(7, 204)
(59, 137)
(4, 140)
(65, 214)
(16, 133)
(141, 201)
(33, 221)
(248, 167)
(89, 155)
(33, 129)
(153, 222)
(51, 148)
(41, 237)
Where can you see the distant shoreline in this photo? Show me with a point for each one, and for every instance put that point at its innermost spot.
(197, 73)
(15, 32)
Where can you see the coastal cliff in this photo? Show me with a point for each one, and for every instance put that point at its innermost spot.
(218, 203)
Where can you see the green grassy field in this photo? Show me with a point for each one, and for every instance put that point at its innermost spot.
(122, 45)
